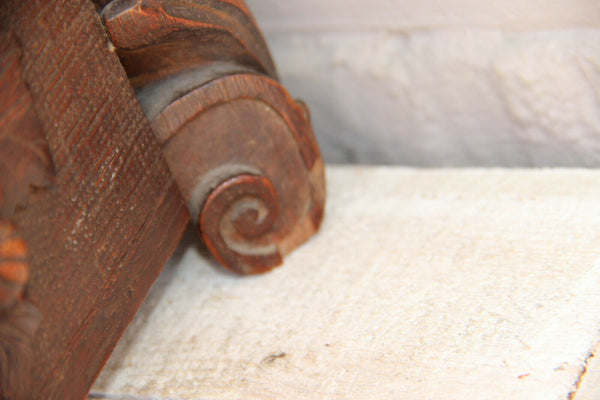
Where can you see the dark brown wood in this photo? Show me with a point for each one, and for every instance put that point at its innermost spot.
(100, 235)
(266, 136)
(25, 163)
(24, 155)
(94, 184)
(241, 150)
(158, 38)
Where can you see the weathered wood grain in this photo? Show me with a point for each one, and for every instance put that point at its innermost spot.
(25, 164)
(158, 38)
(226, 132)
(241, 150)
(102, 233)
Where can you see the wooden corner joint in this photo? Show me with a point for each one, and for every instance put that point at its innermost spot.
(241, 150)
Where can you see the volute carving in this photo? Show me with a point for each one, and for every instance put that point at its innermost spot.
(240, 148)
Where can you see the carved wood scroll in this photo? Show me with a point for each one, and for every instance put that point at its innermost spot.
(241, 150)
(89, 209)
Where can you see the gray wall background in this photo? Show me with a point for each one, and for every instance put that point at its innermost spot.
(443, 83)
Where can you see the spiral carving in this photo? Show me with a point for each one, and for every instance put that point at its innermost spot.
(26, 163)
(158, 38)
(246, 161)
(241, 150)
(235, 223)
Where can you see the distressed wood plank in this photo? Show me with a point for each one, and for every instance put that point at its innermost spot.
(100, 236)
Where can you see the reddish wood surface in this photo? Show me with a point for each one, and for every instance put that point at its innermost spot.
(92, 204)
(100, 235)
(25, 163)
(158, 38)
(266, 135)
(24, 155)
(19, 319)
(240, 148)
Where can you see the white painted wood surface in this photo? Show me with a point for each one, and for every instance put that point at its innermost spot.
(422, 284)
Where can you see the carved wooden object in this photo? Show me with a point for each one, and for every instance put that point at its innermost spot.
(94, 181)
(241, 150)
(24, 163)
(101, 232)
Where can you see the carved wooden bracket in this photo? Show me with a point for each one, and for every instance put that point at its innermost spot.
(241, 150)
(92, 188)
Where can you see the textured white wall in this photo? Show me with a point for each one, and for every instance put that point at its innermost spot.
(434, 82)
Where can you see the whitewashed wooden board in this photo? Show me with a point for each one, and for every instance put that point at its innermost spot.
(422, 284)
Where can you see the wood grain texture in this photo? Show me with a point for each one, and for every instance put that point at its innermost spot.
(25, 165)
(240, 148)
(24, 155)
(19, 319)
(158, 38)
(267, 135)
(100, 236)
(14, 268)
(18, 326)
